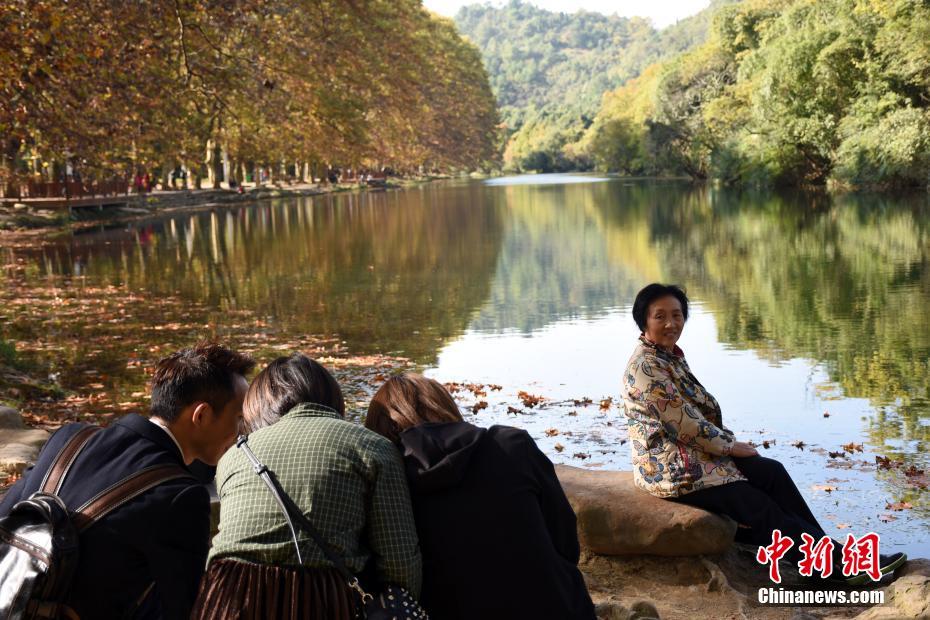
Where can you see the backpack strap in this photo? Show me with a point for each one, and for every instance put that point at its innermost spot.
(125, 490)
(56, 473)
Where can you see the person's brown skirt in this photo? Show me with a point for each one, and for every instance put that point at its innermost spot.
(245, 591)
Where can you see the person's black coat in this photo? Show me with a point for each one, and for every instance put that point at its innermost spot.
(496, 531)
(161, 537)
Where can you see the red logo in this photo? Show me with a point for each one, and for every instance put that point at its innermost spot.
(774, 552)
(859, 555)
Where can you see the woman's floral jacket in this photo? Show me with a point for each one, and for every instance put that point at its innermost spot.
(677, 438)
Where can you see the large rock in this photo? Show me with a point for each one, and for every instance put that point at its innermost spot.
(11, 418)
(617, 518)
(907, 597)
(19, 445)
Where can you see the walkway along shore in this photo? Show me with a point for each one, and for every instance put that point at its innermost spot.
(24, 219)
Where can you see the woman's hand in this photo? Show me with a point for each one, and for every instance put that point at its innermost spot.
(742, 449)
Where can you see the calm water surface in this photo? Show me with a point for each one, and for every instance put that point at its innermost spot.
(811, 317)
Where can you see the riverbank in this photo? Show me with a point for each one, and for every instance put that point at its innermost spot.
(20, 221)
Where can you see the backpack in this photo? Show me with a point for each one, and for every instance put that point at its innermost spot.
(40, 537)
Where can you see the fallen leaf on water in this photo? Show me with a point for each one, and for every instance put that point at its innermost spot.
(826, 415)
(558, 447)
(582, 402)
(898, 506)
(606, 403)
(799, 445)
(767, 442)
(529, 400)
(884, 462)
(842, 526)
(573, 413)
(494, 387)
(837, 455)
(852, 447)
(887, 518)
(514, 410)
(913, 471)
(551, 432)
(824, 487)
(479, 406)
(581, 455)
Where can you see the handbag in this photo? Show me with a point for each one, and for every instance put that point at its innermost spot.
(392, 603)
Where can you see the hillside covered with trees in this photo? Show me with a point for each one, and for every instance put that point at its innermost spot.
(105, 88)
(550, 70)
(783, 92)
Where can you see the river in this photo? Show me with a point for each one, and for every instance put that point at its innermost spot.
(810, 320)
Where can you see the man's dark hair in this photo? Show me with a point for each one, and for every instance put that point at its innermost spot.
(652, 292)
(205, 372)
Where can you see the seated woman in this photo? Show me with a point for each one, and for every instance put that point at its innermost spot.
(496, 531)
(348, 481)
(682, 451)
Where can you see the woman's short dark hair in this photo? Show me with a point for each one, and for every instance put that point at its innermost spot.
(285, 383)
(652, 292)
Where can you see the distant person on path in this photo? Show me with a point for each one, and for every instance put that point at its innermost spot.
(496, 530)
(348, 481)
(145, 559)
(681, 450)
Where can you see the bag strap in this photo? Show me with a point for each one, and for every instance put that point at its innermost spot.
(112, 497)
(59, 468)
(125, 490)
(293, 513)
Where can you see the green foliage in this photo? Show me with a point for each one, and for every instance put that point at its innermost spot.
(550, 70)
(788, 92)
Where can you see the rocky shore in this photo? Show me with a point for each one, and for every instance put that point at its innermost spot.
(642, 557)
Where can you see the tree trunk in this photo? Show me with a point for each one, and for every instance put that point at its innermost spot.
(217, 165)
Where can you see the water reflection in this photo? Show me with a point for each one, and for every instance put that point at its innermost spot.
(387, 272)
(825, 298)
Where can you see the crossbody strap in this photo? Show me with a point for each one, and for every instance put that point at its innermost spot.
(292, 513)
(125, 490)
(59, 468)
(112, 497)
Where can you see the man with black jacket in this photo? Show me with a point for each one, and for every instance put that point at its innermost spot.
(145, 559)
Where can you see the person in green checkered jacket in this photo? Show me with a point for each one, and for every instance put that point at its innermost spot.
(349, 482)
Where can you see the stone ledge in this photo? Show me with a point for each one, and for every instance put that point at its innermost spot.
(617, 518)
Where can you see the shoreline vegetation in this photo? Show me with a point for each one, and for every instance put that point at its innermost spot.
(753, 93)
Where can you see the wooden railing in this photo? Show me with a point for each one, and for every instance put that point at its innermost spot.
(65, 189)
